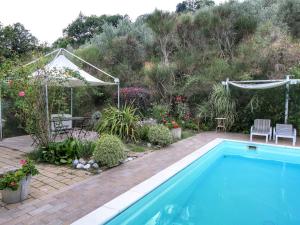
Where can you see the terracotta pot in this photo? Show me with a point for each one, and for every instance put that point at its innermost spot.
(10, 196)
(176, 133)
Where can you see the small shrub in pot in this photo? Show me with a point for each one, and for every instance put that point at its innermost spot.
(15, 185)
(109, 150)
(160, 135)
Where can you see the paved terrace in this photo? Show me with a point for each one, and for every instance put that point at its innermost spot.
(68, 204)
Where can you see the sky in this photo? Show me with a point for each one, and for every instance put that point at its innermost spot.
(46, 19)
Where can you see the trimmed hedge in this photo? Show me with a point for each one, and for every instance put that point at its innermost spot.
(160, 135)
(109, 151)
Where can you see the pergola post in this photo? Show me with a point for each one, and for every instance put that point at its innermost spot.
(286, 107)
(71, 101)
(1, 124)
(117, 81)
(47, 110)
(227, 85)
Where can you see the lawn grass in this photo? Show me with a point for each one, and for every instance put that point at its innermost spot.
(188, 133)
(136, 147)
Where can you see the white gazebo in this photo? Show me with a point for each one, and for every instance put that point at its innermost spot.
(59, 69)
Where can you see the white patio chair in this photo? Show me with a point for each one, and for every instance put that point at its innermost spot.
(285, 131)
(261, 127)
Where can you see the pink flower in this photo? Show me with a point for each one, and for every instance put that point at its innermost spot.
(22, 93)
(23, 161)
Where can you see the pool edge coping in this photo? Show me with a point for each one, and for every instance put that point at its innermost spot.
(112, 208)
(115, 206)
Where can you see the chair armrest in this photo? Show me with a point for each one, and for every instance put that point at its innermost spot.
(274, 131)
(251, 129)
(295, 132)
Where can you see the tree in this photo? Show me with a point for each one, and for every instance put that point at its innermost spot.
(85, 27)
(61, 43)
(15, 40)
(120, 49)
(193, 5)
(163, 24)
(290, 14)
(162, 79)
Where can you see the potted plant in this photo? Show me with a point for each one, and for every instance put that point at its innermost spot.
(175, 130)
(15, 185)
(173, 126)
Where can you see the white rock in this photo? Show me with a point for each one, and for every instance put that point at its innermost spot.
(149, 145)
(79, 166)
(91, 161)
(82, 161)
(129, 159)
(87, 166)
(95, 165)
(75, 162)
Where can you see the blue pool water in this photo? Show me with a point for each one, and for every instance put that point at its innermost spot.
(229, 185)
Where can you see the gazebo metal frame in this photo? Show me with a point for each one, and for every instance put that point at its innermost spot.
(57, 52)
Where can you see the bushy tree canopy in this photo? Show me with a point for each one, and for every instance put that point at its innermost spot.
(15, 40)
(85, 27)
(193, 5)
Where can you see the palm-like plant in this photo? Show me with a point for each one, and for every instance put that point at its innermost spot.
(219, 104)
(120, 122)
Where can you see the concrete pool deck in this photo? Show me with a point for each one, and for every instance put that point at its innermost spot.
(75, 201)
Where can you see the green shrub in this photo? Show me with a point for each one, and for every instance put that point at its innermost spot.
(143, 132)
(189, 124)
(160, 135)
(158, 111)
(120, 122)
(86, 149)
(60, 152)
(109, 150)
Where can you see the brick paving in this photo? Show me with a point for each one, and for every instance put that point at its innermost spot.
(20, 143)
(68, 204)
(51, 178)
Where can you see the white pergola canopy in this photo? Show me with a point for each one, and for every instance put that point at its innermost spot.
(266, 84)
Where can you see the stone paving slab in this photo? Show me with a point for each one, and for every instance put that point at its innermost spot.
(70, 203)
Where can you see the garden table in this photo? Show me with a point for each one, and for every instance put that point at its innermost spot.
(78, 122)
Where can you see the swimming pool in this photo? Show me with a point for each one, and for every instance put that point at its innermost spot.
(225, 184)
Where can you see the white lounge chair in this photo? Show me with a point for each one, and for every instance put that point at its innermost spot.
(285, 131)
(261, 127)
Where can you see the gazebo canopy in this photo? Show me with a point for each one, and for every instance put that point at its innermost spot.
(59, 68)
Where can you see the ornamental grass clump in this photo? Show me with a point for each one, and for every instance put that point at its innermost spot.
(120, 122)
(160, 135)
(109, 151)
